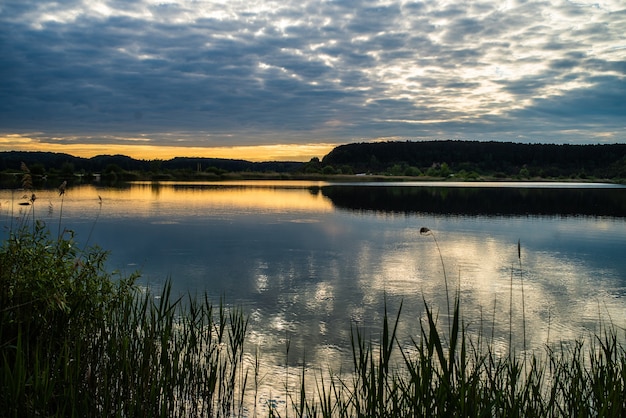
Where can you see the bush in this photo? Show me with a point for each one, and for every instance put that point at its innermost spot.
(48, 288)
(78, 341)
(53, 296)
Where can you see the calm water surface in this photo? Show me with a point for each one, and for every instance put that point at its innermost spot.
(307, 260)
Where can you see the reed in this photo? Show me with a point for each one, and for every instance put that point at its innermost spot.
(426, 231)
(29, 195)
(76, 340)
(61, 189)
(457, 375)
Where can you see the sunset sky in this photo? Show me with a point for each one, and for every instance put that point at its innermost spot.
(289, 80)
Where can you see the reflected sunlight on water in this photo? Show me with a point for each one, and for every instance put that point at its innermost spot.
(232, 196)
(168, 202)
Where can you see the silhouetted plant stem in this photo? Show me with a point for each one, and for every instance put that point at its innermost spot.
(287, 346)
(511, 316)
(521, 276)
(95, 221)
(426, 231)
(60, 216)
(493, 319)
(549, 324)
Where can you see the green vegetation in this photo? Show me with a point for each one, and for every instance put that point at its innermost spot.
(455, 374)
(76, 340)
(51, 167)
(448, 160)
(473, 160)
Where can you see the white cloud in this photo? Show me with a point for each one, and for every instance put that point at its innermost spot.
(334, 71)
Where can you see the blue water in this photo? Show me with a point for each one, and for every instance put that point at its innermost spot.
(306, 260)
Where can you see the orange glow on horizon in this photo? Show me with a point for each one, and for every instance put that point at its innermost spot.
(256, 153)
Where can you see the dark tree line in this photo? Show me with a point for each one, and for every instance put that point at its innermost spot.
(180, 163)
(11, 160)
(56, 161)
(505, 158)
(463, 159)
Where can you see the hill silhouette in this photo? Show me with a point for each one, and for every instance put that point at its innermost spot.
(465, 160)
(11, 160)
(500, 158)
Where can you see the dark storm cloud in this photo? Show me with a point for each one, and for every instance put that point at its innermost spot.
(311, 70)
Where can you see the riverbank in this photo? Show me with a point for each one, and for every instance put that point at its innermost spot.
(12, 180)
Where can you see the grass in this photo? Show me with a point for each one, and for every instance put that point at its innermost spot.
(76, 340)
(459, 375)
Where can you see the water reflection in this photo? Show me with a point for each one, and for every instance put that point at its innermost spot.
(554, 200)
(307, 260)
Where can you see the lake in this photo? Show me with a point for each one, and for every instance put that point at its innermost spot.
(308, 260)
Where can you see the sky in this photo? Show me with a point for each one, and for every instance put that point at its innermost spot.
(291, 79)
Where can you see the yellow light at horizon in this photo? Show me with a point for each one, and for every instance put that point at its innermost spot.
(256, 153)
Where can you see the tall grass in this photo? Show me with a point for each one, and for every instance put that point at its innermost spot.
(460, 375)
(76, 340)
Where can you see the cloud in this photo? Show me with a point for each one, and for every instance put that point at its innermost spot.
(213, 73)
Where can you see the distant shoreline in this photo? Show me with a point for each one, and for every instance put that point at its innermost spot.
(12, 180)
(459, 161)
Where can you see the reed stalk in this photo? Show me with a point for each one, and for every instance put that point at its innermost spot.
(521, 277)
(427, 231)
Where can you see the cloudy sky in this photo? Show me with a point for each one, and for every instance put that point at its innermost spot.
(290, 79)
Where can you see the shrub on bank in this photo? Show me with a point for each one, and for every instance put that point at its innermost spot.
(76, 340)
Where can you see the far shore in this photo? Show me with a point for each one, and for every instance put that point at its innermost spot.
(12, 180)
